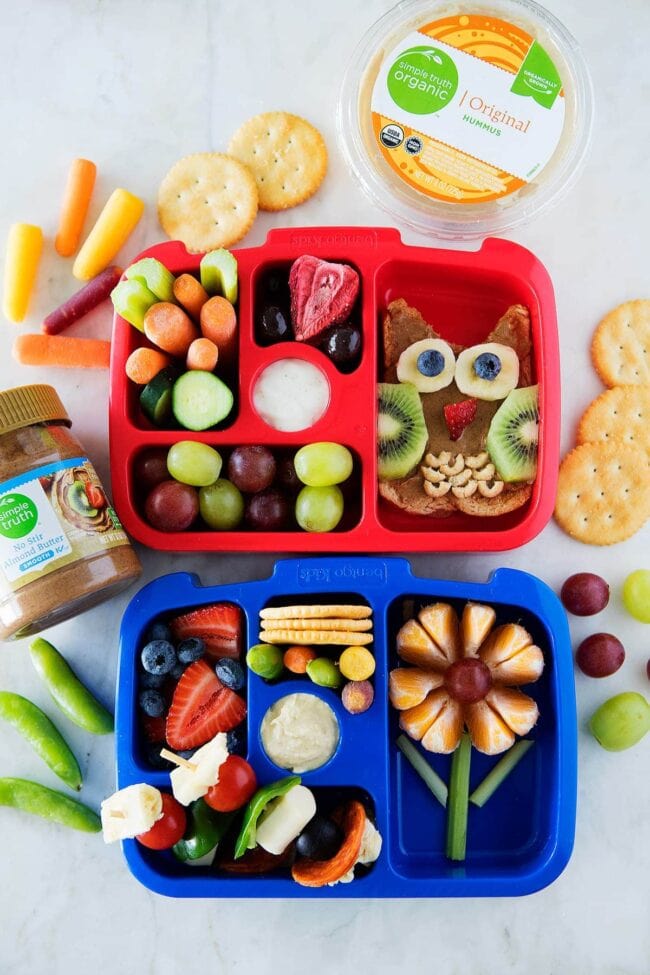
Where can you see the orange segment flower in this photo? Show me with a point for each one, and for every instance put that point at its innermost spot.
(465, 675)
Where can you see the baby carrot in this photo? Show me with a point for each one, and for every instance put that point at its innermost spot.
(143, 364)
(36, 349)
(112, 229)
(190, 293)
(168, 327)
(78, 190)
(202, 354)
(219, 323)
(24, 246)
(83, 301)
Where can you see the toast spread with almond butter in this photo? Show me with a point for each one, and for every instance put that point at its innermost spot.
(457, 426)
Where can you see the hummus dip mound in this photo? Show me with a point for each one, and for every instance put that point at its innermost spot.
(300, 732)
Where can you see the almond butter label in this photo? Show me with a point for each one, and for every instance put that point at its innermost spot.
(467, 109)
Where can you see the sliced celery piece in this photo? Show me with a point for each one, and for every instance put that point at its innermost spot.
(219, 274)
(458, 800)
(499, 772)
(132, 300)
(154, 276)
(430, 778)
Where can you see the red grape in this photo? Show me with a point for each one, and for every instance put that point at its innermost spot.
(251, 469)
(468, 680)
(172, 506)
(267, 511)
(600, 655)
(150, 468)
(584, 594)
(287, 477)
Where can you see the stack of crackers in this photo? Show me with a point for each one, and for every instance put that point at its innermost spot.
(604, 484)
(333, 625)
(210, 200)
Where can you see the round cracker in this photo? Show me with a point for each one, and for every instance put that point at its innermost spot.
(207, 200)
(620, 414)
(603, 492)
(620, 348)
(285, 153)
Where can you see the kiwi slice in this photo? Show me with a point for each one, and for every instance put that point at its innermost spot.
(513, 433)
(401, 430)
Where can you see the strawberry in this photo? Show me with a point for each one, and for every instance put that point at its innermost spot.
(458, 416)
(95, 495)
(219, 626)
(201, 708)
(323, 293)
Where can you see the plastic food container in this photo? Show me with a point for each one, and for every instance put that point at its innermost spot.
(517, 844)
(465, 292)
(466, 118)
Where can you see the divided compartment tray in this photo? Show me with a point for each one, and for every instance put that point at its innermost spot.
(518, 843)
(462, 293)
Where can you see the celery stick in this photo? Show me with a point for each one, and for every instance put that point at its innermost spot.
(430, 778)
(458, 800)
(499, 772)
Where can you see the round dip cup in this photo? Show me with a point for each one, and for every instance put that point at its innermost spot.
(466, 119)
(291, 394)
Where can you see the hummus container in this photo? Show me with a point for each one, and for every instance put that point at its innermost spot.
(518, 844)
(464, 293)
(466, 119)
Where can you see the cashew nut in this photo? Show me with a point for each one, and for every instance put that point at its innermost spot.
(429, 474)
(432, 461)
(486, 473)
(437, 490)
(457, 480)
(466, 491)
(455, 468)
(479, 461)
(490, 491)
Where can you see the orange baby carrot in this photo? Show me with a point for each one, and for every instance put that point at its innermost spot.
(78, 190)
(168, 327)
(219, 324)
(143, 364)
(190, 293)
(202, 354)
(36, 349)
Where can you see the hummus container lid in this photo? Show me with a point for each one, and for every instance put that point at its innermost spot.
(466, 119)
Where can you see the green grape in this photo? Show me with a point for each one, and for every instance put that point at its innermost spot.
(636, 595)
(221, 505)
(323, 464)
(319, 509)
(621, 721)
(265, 660)
(194, 463)
(324, 672)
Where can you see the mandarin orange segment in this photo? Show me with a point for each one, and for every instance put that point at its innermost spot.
(503, 643)
(440, 621)
(444, 734)
(416, 647)
(475, 624)
(417, 721)
(522, 668)
(489, 733)
(408, 686)
(518, 710)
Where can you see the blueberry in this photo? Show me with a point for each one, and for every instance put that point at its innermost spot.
(487, 365)
(236, 741)
(159, 631)
(177, 671)
(190, 650)
(154, 758)
(158, 657)
(186, 753)
(231, 673)
(152, 703)
(431, 362)
(343, 345)
(274, 325)
(151, 681)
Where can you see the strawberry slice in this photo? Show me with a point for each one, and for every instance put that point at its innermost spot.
(201, 708)
(219, 626)
(458, 416)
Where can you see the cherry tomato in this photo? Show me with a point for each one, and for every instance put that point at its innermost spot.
(237, 783)
(170, 827)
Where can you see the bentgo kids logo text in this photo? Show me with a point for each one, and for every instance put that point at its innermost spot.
(18, 516)
(422, 80)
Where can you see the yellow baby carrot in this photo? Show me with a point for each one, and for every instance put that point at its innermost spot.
(78, 190)
(24, 246)
(114, 225)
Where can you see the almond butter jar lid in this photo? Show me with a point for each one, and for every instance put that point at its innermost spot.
(62, 546)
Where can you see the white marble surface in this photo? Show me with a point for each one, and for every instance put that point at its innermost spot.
(134, 86)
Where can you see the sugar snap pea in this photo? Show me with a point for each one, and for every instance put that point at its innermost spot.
(30, 797)
(44, 737)
(71, 696)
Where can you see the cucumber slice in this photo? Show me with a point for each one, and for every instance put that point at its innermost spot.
(200, 400)
(132, 300)
(154, 276)
(156, 397)
(219, 274)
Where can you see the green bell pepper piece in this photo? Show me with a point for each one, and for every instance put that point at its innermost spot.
(205, 829)
(247, 834)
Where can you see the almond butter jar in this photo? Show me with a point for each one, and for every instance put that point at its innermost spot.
(62, 547)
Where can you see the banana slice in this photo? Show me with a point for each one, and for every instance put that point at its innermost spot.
(429, 364)
(489, 371)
